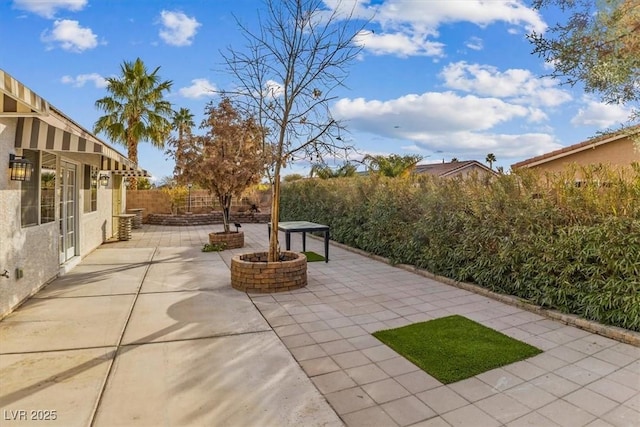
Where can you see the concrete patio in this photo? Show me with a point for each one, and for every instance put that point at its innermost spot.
(149, 332)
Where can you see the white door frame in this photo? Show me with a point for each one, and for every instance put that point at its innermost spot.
(68, 221)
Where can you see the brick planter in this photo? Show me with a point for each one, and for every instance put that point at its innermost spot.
(252, 273)
(233, 240)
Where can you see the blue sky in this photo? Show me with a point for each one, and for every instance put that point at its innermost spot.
(442, 79)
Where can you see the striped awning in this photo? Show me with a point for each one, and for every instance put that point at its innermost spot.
(41, 126)
(138, 174)
(18, 100)
(35, 134)
(121, 169)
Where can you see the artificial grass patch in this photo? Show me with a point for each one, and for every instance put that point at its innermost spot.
(313, 257)
(453, 348)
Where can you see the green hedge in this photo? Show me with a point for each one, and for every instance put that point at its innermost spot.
(575, 249)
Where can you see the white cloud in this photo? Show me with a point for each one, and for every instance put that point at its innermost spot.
(517, 85)
(274, 89)
(601, 115)
(178, 29)
(81, 79)
(475, 145)
(469, 145)
(412, 147)
(536, 115)
(413, 117)
(48, 8)
(431, 14)
(198, 89)
(550, 65)
(408, 27)
(457, 126)
(474, 43)
(70, 36)
(399, 44)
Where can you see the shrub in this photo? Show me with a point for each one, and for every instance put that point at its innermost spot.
(575, 249)
(214, 247)
(177, 196)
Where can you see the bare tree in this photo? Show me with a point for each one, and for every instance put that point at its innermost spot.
(286, 74)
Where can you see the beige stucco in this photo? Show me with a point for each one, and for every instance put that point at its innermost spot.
(35, 249)
(616, 153)
(472, 169)
(32, 249)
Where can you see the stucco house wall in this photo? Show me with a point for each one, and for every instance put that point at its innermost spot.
(32, 249)
(458, 169)
(30, 254)
(471, 170)
(616, 151)
(95, 227)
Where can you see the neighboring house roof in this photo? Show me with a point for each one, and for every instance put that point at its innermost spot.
(576, 148)
(450, 168)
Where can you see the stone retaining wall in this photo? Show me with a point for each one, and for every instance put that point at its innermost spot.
(208, 218)
(202, 202)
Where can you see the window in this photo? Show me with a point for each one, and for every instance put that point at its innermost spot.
(29, 191)
(90, 188)
(48, 188)
(37, 196)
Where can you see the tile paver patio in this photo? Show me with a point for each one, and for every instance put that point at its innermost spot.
(368, 295)
(149, 332)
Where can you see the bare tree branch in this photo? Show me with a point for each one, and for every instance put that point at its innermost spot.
(285, 78)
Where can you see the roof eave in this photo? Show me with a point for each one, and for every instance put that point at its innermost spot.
(558, 154)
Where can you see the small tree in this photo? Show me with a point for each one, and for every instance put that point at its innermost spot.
(144, 184)
(324, 171)
(294, 59)
(393, 165)
(177, 195)
(229, 157)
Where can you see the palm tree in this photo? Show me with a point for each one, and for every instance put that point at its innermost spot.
(135, 110)
(347, 170)
(183, 123)
(321, 170)
(490, 159)
(324, 171)
(392, 165)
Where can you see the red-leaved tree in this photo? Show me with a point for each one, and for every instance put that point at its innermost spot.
(229, 157)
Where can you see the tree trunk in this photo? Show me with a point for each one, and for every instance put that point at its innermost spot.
(132, 147)
(274, 250)
(225, 202)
